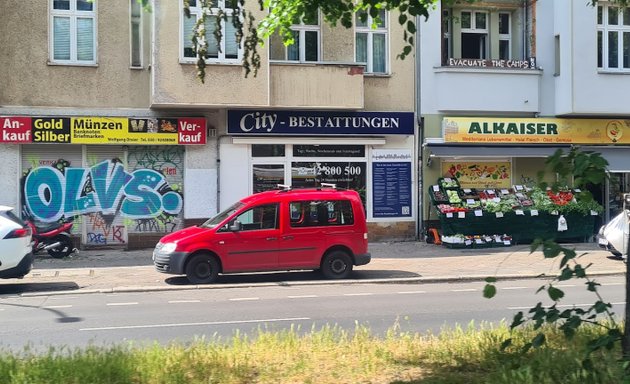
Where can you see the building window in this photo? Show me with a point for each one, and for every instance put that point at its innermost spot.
(136, 33)
(613, 38)
(226, 50)
(306, 41)
(474, 34)
(73, 32)
(503, 31)
(371, 42)
(505, 36)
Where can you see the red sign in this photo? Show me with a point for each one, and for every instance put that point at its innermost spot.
(191, 131)
(15, 130)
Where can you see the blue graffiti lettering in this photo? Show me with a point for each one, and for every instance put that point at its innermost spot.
(75, 203)
(109, 189)
(49, 194)
(44, 193)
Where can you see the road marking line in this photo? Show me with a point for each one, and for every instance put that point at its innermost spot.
(245, 299)
(610, 284)
(130, 303)
(410, 292)
(564, 285)
(194, 324)
(508, 288)
(358, 294)
(302, 296)
(57, 306)
(183, 301)
(464, 290)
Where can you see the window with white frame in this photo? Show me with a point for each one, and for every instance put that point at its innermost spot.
(226, 50)
(474, 34)
(504, 31)
(306, 41)
(371, 42)
(613, 38)
(73, 32)
(136, 33)
(505, 35)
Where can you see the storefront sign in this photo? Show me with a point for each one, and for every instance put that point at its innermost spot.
(275, 122)
(493, 63)
(479, 174)
(103, 130)
(536, 131)
(391, 183)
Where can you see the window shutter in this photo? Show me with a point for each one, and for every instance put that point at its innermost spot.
(231, 47)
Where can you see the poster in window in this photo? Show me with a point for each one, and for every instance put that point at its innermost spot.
(347, 174)
(391, 183)
(479, 174)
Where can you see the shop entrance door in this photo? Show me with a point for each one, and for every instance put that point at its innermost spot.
(616, 186)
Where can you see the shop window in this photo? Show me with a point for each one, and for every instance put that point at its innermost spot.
(73, 32)
(344, 174)
(306, 41)
(267, 176)
(267, 150)
(329, 150)
(371, 41)
(136, 33)
(225, 50)
(613, 38)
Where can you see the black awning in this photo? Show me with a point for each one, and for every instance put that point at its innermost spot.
(472, 150)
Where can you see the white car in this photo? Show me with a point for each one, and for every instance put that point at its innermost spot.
(613, 236)
(16, 248)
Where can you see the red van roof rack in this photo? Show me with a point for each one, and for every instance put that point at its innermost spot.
(284, 187)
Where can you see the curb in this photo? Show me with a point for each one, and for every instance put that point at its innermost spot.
(406, 280)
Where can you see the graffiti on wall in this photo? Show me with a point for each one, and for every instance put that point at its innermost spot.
(108, 196)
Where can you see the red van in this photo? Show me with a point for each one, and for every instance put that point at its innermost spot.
(286, 229)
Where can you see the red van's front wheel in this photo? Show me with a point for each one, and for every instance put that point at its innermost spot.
(202, 269)
(336, 265)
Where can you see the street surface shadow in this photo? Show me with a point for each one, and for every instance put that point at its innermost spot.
(17, 288)
(294, 276)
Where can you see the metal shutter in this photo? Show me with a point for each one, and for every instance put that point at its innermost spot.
(166, 165)
(107, 226)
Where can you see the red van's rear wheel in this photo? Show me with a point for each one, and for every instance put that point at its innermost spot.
(336, 265)
(202, 269)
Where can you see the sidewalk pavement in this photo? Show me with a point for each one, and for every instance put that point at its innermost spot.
(115, 270)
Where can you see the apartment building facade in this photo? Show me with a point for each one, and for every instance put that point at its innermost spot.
(103, 118)
(504, 84)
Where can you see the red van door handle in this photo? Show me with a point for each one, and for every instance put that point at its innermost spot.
(271, 238)
(288, 237)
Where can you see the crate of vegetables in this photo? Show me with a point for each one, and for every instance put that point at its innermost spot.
(448, 183)
(438, 195)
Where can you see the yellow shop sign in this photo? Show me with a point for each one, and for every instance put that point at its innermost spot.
(536, 131)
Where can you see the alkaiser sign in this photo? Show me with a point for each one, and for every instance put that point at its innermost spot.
(272, 122)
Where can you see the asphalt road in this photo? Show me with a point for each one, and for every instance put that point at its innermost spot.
(182, 316)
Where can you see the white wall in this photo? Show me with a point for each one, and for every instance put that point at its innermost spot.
(10, 175)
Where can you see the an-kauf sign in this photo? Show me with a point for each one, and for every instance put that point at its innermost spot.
(271, 122)
(103, 130)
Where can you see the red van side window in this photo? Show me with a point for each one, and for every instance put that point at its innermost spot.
(314, 213)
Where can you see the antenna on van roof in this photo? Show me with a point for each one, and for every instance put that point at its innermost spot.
(328, 185)
(284, 187)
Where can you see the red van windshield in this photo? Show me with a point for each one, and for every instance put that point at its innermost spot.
(219, 218)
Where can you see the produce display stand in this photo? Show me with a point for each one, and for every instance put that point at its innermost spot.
(466, 223)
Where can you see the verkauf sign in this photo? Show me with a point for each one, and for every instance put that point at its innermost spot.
(103, 130)
(536, 131)
(278, 122)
